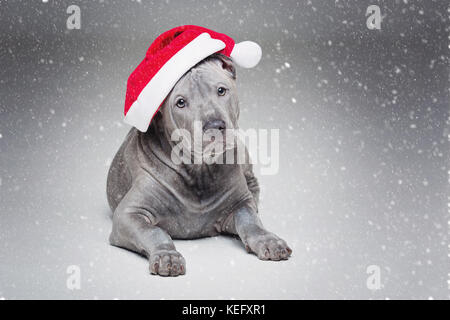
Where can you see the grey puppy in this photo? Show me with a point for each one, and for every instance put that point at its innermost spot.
(155, 200)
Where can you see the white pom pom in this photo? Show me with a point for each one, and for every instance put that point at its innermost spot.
(246, 54)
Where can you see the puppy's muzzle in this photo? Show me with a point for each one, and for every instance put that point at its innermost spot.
(214, 124)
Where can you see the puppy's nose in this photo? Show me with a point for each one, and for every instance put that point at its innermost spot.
(214, 124)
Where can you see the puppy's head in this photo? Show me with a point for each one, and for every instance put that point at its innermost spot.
(206, 96)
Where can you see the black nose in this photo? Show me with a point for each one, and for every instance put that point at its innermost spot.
(214, 124)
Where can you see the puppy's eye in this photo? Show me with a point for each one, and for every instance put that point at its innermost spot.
(181, 103)
(221, 91)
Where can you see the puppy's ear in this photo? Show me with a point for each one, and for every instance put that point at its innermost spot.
(226, 63)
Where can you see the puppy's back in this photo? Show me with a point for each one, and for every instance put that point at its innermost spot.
(119, 178)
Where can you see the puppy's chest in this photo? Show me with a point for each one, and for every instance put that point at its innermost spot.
(199, 216)
(200, 206)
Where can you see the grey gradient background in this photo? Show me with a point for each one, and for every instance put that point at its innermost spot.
(363, 176)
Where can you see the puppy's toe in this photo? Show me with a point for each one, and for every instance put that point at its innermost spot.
(154, 264)
(177, 265)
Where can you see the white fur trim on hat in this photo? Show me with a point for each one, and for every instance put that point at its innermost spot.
(142, 110)
(246, 54)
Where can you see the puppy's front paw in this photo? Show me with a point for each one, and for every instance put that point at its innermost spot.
(268, 246)
(167, 263)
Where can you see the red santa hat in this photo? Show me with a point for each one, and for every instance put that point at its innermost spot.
(169, 57)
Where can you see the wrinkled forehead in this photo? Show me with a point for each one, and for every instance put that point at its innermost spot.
(203, 76)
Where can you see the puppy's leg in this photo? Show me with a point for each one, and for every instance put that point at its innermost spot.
(252, 184)
(134, 230)
(266, 245)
